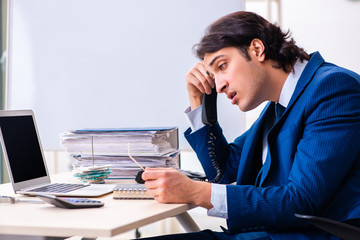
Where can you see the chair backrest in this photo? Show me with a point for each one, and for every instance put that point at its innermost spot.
(339, 229)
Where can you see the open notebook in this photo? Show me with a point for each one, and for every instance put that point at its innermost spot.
(131, 191)
(26, 163)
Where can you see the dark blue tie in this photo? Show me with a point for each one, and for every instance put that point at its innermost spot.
(279, 111)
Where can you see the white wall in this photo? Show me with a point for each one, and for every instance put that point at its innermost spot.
(329, 26)
(64, 99)
(108, 64)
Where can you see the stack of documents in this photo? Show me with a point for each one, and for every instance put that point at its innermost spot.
(151, 147)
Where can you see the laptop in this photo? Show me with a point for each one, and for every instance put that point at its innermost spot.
(26, 163)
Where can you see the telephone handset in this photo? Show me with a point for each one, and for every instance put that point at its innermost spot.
(209, 117)
(209, 110)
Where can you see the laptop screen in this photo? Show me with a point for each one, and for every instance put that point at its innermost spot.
(22, 147)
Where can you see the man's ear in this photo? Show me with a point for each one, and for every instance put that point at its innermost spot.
(258, 49)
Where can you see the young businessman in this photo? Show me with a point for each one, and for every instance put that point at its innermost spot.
(305, 160)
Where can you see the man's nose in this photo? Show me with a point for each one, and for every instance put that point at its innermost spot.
(221, 85)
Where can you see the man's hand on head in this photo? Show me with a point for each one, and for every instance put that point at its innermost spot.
(198, 82)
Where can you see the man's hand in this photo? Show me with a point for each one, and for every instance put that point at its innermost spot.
(198, 82)
(168, 185)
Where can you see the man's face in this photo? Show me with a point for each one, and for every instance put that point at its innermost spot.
(243, 81)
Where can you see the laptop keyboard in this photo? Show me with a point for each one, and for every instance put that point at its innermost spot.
(58, 187)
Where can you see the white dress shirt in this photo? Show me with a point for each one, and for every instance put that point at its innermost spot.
(218, 191)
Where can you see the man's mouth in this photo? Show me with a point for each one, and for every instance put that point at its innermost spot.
(231, 96)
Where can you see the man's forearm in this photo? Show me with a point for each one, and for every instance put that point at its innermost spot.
(195, 102)
(202, 195)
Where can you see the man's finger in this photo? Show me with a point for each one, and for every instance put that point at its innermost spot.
(154, 173)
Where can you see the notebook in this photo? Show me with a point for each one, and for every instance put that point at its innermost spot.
(131, 191)
(26, 163)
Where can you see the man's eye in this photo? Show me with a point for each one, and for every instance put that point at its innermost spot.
(222, 66)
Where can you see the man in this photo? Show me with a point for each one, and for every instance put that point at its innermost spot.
(305, 160)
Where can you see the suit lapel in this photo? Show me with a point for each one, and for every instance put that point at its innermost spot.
(312, 66)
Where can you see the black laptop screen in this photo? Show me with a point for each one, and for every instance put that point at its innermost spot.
(22, 147)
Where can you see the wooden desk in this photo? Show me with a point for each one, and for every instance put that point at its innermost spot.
(117, 216)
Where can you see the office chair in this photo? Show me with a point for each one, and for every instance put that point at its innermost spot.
(339, 229)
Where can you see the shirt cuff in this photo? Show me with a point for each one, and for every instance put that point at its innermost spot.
(194, 118)
(219, 201)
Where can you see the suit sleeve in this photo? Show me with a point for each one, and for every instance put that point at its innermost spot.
(228, 155)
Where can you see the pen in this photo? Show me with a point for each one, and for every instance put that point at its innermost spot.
(134, 158)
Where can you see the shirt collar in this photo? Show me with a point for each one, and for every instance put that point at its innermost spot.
(291, 81)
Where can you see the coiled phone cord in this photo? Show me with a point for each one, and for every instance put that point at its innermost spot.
(213, 158)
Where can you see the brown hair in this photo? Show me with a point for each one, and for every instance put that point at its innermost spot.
(240, 28)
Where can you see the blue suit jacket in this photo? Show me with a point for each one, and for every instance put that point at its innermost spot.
(313, 165)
